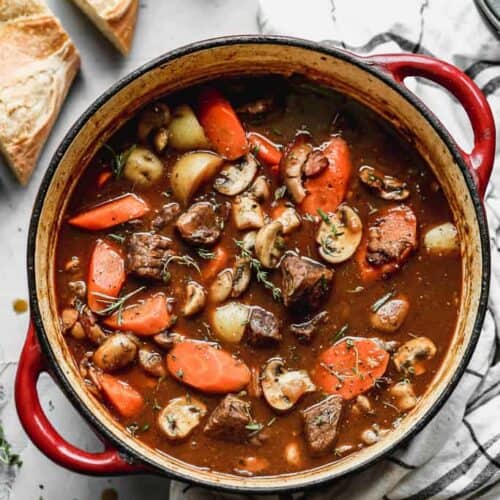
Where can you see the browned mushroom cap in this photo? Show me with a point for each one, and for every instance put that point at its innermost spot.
(180, 417)
(410, 356)
(268, 244)
(117, 351)
(247, 212)
(151, 361)
(221, 287)
(196, 297)
(387, 187)
(234, 178)
(403, 395)
(292, 164)
(241, 275)
(283, 388)
(390, 316)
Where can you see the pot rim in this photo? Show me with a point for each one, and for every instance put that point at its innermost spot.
(212, 43)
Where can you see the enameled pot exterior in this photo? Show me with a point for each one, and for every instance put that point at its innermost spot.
(376, 82)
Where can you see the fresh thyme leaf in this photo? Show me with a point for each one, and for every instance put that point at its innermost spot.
(117, 237)
(309, 218)
(183, 260)
(380, 302)
(341, 332)
(119, 159)
(254, 427)
(205, 254)
(115, 304)
(333, 228)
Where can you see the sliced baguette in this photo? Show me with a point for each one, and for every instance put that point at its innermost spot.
(39, 62)
(115, 19)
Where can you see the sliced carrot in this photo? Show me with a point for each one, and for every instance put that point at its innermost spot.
(394, 223)
(213, 266)
(104, 177)
(111, 213)
(124, 398)
(146, 318)
(207, 368)
(350, 367)
(265, 150)
(106, 275)
(221, 124)
(327, 190)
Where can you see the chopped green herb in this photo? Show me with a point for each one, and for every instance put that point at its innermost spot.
(280, 193)
(115, 304)
(341, 332)
(183, 260)
(333, 228)
(117, 237)
(119, 160)
(254, 427)
(180, 373)
(205, 254)
(380, 302)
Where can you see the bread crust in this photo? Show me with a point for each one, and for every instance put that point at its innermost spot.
(39, 63)
(116, 19)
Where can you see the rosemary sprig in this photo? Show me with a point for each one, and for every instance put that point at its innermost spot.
(183, 260)
(205, 254)
(118, 160)
(380, 302)
(261, 275)
(115, 304)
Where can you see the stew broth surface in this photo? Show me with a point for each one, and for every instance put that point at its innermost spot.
(430, 283)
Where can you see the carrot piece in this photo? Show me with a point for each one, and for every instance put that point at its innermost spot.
(350, 367)
(394, 224)
(106, 274)
(111, 213)
(265, 150)
(124, 398)
(104, 177)
(327, 190)
(146, 318)
(213, 266)
(203, 366)
(221, 124)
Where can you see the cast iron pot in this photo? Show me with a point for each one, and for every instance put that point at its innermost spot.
(375, 81)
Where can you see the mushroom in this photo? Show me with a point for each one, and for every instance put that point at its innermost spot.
(387, 187)
(260, 188)
(247, 212)
(115, 352)
(292, 163)
(339, 234)
(69, 317)
(362, 406)
(151, 362)
(221, 287)
(181, 416)
(166, 340)
(409, 357)
(142, 167)
(390, 316)
(155, 117)
(373, 434)
(230, 321)
(442, 239)
(292, 454)
(185, 132)
(283, 388)
(234, 178)
(77, 331)
(249, 241)
(289, 219)
(403, 395)
(269, 244)
(196, 296)
(242, 275)
(78, 288)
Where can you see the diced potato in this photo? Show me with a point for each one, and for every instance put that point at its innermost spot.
(143, 167)
(185, 132)
(229, 321)
(442, 239)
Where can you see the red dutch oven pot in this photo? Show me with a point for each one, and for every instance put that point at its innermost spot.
(378, 81)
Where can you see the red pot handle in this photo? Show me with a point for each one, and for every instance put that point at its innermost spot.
(480, 159)
(42, 433)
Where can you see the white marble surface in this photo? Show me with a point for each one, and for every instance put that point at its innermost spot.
(162, 25)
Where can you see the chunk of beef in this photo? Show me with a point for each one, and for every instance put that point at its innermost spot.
(201, 224)
(165, 216)
(320, 424)
(305, 281)
(263, 328)
(147, 253)
(392, 237)
(229, 419)
(305, 331)
(315, 163)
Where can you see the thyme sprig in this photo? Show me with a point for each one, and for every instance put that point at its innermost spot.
(205, 254)
(183, 260)
(380, 302)
(118, 160)
(115, 304)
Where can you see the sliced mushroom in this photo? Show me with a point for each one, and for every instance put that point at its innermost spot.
(290, 220)
(269, 244)
(442, 239)
(403, 395)
(291, 165)
(196, 296)
(242, 275)
(247, 212)
(166, 340)
(373, 434)
(249, 241)
(410, 356)
(339, 234)
(260, 188)
(151, 362)
(185, 132)
(69, 317)
(178, 419)
(78, 288)
(115, 352)
(221, 287)
(234, 178)
(283, 388)
(390, 316)
(154, 117)
(143, 167)
(306, 331)
(230, 321)
(387, 187)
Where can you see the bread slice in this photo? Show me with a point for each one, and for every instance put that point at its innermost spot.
(115, 18)
(38, 62)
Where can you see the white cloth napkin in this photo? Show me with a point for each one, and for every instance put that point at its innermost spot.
(457, 455)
